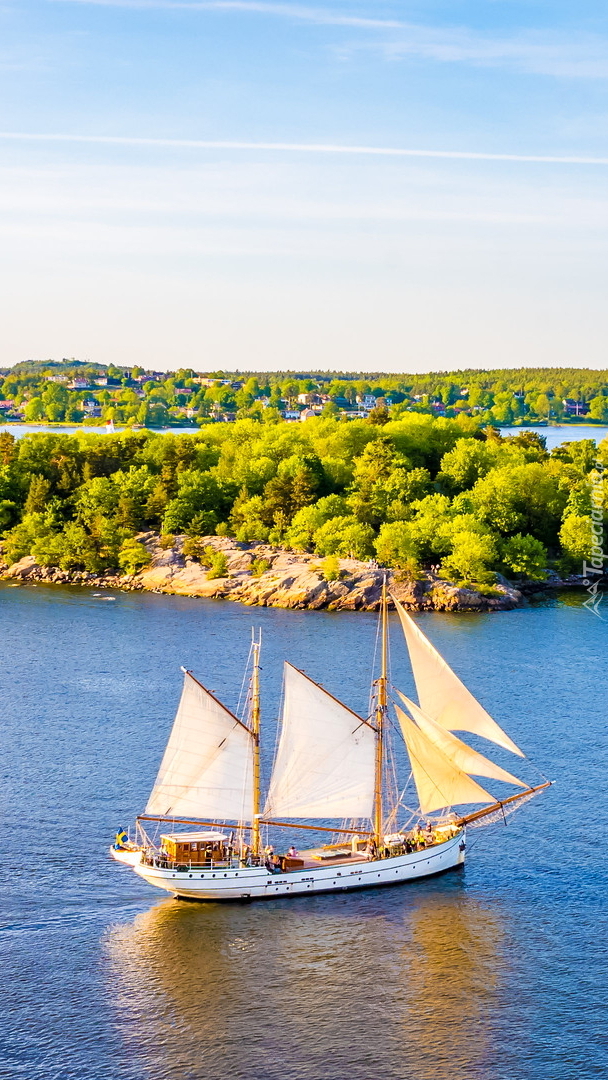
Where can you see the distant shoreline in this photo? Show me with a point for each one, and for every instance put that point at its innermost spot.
(183, 425)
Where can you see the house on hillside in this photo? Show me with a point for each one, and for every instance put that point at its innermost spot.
(368, 401)
(575, 408)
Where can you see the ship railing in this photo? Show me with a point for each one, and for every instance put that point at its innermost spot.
(155, 859)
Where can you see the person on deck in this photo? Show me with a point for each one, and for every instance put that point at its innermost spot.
(292, 853)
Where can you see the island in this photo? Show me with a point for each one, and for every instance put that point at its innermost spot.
(308, 515)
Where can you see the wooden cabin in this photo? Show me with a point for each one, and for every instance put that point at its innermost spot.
(195, 848)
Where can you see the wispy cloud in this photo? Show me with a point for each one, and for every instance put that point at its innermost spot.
(298, 148)
(319, 16)
(534, 52)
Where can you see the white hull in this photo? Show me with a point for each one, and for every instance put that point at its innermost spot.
(257, 883)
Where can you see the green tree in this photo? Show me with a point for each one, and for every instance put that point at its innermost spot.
(97, 496)
(38, 495)
(344, 536)
(521, 499)
(576, 541)
(397, 544)
(598, 408)
(8, 513)
(465, 464)
(133, 556)
(310, 518)
(524, 556)
(471, 557)
(34, 410)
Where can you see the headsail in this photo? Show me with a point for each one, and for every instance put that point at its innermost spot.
(324, 766)
(461, 755)
(442, 695)
(439, 782)
(207, 768)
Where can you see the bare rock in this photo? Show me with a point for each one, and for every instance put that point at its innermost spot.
(25, 568)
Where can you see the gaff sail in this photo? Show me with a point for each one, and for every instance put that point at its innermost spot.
(325, 760)
(442, 695)
(207, 767)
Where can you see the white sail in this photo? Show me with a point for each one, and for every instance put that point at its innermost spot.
(324, 766)
(439, 783)
(442, 695)
(207, 768)
(461, 755)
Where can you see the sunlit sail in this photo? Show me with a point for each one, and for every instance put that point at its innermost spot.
(325, 761)
(442, 695)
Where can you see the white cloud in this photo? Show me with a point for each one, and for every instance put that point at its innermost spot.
(533, 52)
(300, 148)
(318, 16)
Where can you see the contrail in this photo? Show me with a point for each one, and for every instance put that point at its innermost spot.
(298, 148)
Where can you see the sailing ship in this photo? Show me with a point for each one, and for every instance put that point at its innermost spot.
(202, 834)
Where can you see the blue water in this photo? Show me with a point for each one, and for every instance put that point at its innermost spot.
(559, 433)
(496, 972)
(19, 430)
(553, 435)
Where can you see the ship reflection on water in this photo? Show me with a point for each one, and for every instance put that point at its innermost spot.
(404, 983)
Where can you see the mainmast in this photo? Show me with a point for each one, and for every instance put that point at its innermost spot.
(381, 708)
(255, 728)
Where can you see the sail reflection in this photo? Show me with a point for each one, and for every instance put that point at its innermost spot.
(397, 983)
(454, 969)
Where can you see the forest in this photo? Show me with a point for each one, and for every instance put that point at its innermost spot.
(415, 492)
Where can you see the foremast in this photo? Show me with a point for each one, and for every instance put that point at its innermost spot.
(380, 715)
(255, 730)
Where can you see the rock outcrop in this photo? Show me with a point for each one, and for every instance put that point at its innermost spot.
(291, 580)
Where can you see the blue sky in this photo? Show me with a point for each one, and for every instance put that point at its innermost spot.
(191, 195)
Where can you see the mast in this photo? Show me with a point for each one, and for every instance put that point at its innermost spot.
(381, 707)
(255, 728)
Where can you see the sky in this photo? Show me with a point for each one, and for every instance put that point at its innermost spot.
(345, 185)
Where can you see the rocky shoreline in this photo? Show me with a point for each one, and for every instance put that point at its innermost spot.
(291, 580)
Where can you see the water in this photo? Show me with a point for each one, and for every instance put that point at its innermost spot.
(553, 435)
(496, 972)
(19, 430)
(562, 432)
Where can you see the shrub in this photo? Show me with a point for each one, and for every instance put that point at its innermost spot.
(166, 540)
(194, 548)
(219, 566)
(330, 568)
(133, 556)
(259, 567)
